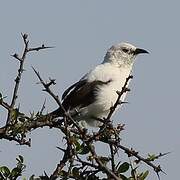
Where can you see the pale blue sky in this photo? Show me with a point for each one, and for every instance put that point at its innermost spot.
(82, 31)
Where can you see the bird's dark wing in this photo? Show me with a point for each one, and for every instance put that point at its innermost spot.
(74, 86)
(81, 94)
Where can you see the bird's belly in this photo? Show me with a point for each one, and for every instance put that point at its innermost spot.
(108, 96)
(105, 99)
(101, 107)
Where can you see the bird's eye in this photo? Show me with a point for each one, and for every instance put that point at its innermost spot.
(125, 50)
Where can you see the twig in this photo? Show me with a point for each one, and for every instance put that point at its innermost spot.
(19, 141)
(131, 152)
(20, 71)
(47, 87)
(112, 158)
(120, 93)
(43, 107)
(19, 75)
(68, 153)
(85, 163)
(56, 98)
(101, 165)
(5, 105)
(39, 48)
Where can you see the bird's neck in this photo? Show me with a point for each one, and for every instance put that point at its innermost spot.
(120, 64)
(119, 61)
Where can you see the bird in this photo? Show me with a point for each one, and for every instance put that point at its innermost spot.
(91, 98)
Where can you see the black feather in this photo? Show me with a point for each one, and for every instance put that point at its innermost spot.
(79, 95)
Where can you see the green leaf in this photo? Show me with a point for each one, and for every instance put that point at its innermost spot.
(63, 173)
(83, 149)
(5, 171)
(151, 157)
(15, 172)
(75, 141)
(104, 159)
(123, 167)
(78, 146)
(144, 175)
(14, 114)
(75, 172)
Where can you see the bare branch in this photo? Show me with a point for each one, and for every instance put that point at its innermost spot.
(131, 152)
(112, 158)
(56, 98)
(5, 105)
(39, 48)
(120, 93)
(20, 71)
(101, 165)
(43, 107)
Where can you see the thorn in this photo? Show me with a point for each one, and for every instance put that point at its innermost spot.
(39, 82)
(120, 126)
(15, 55)
(25, 36)
(60, 149)
(118, 92)
(164, 154)
(47, 47)
(158, 175)
(130, 77)
(52, 81)
(126, 89)
(46, 174)
(123, 102)
(29, 142)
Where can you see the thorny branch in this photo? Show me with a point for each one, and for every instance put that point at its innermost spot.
(56, 98)
(20, 71)
(80, 159)
(11, 107)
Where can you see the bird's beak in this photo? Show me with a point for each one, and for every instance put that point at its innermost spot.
(140, 51)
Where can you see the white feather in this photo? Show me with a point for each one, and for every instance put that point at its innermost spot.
(106, 94)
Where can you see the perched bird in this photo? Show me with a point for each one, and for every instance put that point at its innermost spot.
(92, 96)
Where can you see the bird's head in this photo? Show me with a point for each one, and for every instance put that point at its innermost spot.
(123, 54)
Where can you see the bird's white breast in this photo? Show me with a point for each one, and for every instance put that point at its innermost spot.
(106, 94)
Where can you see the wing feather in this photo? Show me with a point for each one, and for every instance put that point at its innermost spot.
(75, 86)
(81, 94)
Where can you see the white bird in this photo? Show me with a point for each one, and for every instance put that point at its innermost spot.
(93, 95)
